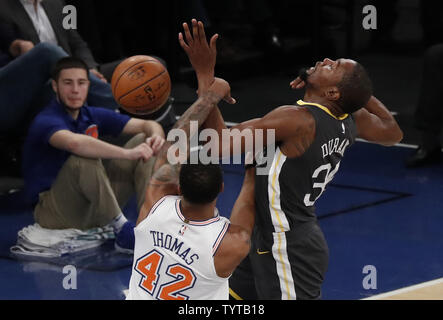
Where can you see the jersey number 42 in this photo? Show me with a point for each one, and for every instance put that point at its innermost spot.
(148, 267)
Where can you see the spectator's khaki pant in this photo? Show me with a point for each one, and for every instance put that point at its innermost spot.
(88, 194)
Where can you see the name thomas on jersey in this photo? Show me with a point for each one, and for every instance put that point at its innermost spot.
(174, 245)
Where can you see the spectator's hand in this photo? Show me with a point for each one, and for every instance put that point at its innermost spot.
(201, 54)
(155, 142)
(142, 151)
(222, 89)
(19, 47)
(298, 83)
(98, 75)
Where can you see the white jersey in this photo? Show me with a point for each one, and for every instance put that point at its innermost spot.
(174, 257)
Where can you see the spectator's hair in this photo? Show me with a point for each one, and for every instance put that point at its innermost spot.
(68, 63)
(200, 183)
(355, 89)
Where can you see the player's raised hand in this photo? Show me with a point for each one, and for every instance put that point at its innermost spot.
(201, 54)
(222, 89)
(297, 83)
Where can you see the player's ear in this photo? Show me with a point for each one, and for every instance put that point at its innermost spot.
(54, 85)
(179, 192)
(222, 187)
(332, 93)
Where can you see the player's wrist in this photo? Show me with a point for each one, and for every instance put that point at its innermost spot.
(212, 97)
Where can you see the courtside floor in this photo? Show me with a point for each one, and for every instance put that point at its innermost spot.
(383, 224)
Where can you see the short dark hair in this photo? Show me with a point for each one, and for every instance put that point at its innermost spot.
(200, 183)
(355, 89)
(68, 63)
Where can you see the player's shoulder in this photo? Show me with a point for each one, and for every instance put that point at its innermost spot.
(167, 199)
(294, 110)
(294, 118)
(236, 243)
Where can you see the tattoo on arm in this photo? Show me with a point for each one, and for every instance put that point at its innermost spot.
(166, 174)
(199, 111)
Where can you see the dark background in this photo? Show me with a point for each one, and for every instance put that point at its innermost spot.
(259, 72)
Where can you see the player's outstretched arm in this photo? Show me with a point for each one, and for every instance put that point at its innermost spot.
(165, 178)
(163, 182)
(376, 124)
(278, 125)
(237, 241)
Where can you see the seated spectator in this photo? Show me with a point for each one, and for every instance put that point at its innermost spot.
(66, 180)
(24, 89)
(42, 21)
(29, 22)
(31, 40)
(25, 23)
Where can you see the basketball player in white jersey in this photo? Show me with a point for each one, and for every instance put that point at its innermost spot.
(183, 248)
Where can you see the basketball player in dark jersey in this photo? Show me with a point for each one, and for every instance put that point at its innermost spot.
(289, 255)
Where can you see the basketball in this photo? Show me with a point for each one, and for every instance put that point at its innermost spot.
(141, 85)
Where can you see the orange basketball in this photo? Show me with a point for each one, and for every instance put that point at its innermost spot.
(141, 85)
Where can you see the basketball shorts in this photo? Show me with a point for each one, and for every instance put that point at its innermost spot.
(283, 265)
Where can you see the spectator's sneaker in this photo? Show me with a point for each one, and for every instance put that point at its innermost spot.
(124, 240)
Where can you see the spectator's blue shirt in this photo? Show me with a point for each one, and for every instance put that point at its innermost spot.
(41, 161)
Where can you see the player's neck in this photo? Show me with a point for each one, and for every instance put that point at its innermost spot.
(331, 105)
(197, 211)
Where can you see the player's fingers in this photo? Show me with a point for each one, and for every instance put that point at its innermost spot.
(182, 42)
(300, 85)
(187, 33)
(201, 32)
(297, 83)
(213, 42)
(195, 30)
(230, 100)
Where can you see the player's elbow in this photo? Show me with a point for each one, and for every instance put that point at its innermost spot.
(244, 244)
(393, 137)
(398, 135)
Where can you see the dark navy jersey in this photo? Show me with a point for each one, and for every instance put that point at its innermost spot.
(285, 194)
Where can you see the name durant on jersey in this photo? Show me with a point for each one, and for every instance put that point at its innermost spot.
(174, 245)
(334, 145)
